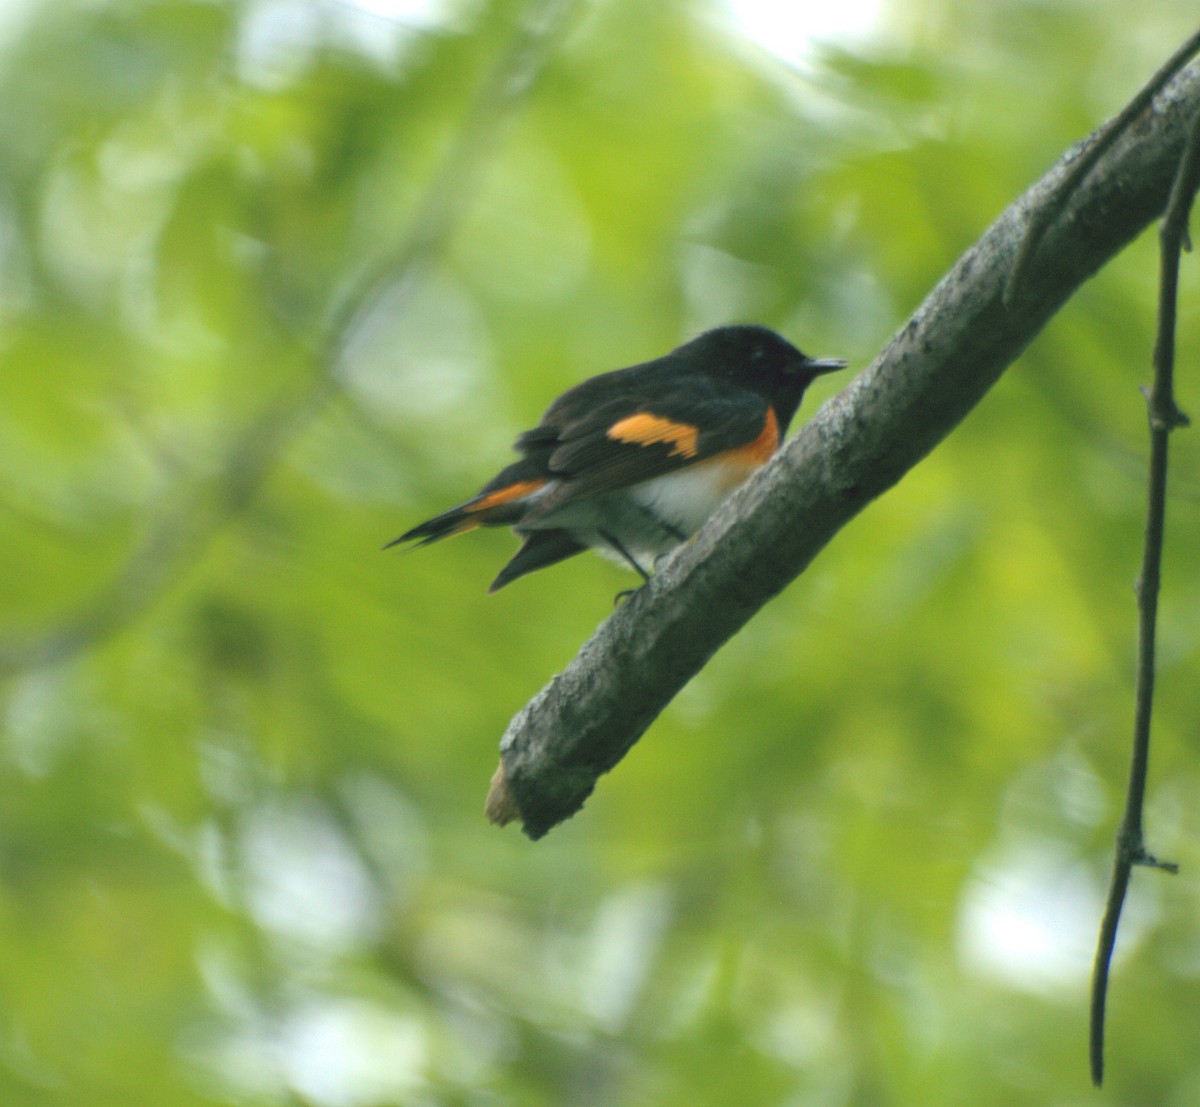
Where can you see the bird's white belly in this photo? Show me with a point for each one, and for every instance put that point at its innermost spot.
(685, 499)
(647, 519)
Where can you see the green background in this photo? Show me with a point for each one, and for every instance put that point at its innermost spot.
(279, 280)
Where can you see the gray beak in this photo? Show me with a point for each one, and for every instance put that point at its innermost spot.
(818, 366)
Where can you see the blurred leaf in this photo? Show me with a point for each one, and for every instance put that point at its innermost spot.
(242, 852)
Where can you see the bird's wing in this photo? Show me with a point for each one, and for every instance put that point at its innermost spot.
(637, 437)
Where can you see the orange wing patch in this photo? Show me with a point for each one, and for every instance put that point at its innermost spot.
(505, 495)
(644, 429)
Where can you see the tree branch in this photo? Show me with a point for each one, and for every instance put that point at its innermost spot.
(1091, 153)
(1164, 416)
(860, 444)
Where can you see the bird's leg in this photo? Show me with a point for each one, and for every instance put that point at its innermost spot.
(611, 539)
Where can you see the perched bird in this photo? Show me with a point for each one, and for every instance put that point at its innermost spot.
(632, 462)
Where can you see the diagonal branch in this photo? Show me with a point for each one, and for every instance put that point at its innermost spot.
(1088, 156)
(1164, 417)
(938, 367)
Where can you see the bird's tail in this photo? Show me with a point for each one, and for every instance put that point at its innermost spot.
(541, 548)
(457, 520)
(502, 503)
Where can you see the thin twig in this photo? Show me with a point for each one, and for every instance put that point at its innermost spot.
(1045, 217)
(187, 525)
(1164, 416)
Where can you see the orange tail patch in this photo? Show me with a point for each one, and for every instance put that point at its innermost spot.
(486, 510)
(503, 496)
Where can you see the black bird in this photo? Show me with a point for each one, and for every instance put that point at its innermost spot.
(632, 462)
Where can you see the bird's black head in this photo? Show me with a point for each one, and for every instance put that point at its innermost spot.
(757, 358)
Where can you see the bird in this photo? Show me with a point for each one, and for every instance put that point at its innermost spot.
(633, 461)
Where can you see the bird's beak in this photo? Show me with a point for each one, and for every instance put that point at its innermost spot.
(818, 366)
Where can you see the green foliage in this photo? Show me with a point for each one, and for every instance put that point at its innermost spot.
(859, 861)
